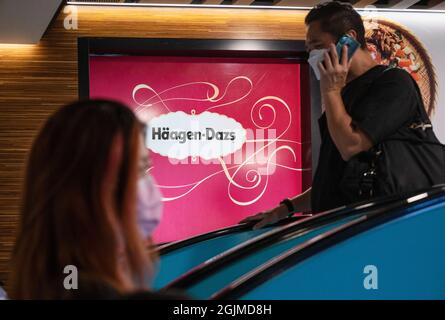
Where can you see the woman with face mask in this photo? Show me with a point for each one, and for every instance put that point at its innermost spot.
(88, 208)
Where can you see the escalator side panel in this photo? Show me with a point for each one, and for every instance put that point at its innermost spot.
(407, 252)
(174, 264)
(204, 289)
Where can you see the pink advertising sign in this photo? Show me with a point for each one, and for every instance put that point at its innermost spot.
(227, 136)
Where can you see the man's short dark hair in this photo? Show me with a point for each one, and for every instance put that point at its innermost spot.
(337, 18)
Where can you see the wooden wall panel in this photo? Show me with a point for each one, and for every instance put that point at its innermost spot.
(35, 80)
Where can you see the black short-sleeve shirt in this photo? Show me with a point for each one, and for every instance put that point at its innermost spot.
(380, 102)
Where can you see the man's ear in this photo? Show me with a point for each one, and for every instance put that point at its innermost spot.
(352, 33)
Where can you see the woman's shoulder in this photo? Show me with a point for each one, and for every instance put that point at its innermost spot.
(92, 288)
(159, 295)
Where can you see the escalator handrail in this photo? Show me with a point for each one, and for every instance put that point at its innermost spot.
(307, 224)
(299, 253)
(176, 245)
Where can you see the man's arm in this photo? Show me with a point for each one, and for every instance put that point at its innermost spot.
(348, 140)
(302, 202)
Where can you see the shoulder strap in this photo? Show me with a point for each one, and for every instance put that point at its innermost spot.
(420, 104)
(426, 123)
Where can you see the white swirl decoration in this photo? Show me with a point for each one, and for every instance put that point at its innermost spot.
(253, 176)
(212, 94)
(252, 179)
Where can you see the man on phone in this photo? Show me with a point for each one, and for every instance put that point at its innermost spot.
(355, 118)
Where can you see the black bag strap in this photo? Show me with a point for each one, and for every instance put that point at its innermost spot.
(425, 121)
(365, 182)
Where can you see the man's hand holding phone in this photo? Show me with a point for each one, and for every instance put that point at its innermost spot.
(334, 70)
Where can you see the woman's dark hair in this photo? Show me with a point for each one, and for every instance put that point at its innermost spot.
(78, 203)
(337, 18)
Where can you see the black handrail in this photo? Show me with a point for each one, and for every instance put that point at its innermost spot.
(216, 263)
(290, 258)
(172, 246)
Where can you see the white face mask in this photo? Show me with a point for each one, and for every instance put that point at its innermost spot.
(316, 56)
(149, 206)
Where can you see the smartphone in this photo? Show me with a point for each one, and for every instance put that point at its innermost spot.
(352, 44)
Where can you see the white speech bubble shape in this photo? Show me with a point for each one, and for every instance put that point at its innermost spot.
(208, 135)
